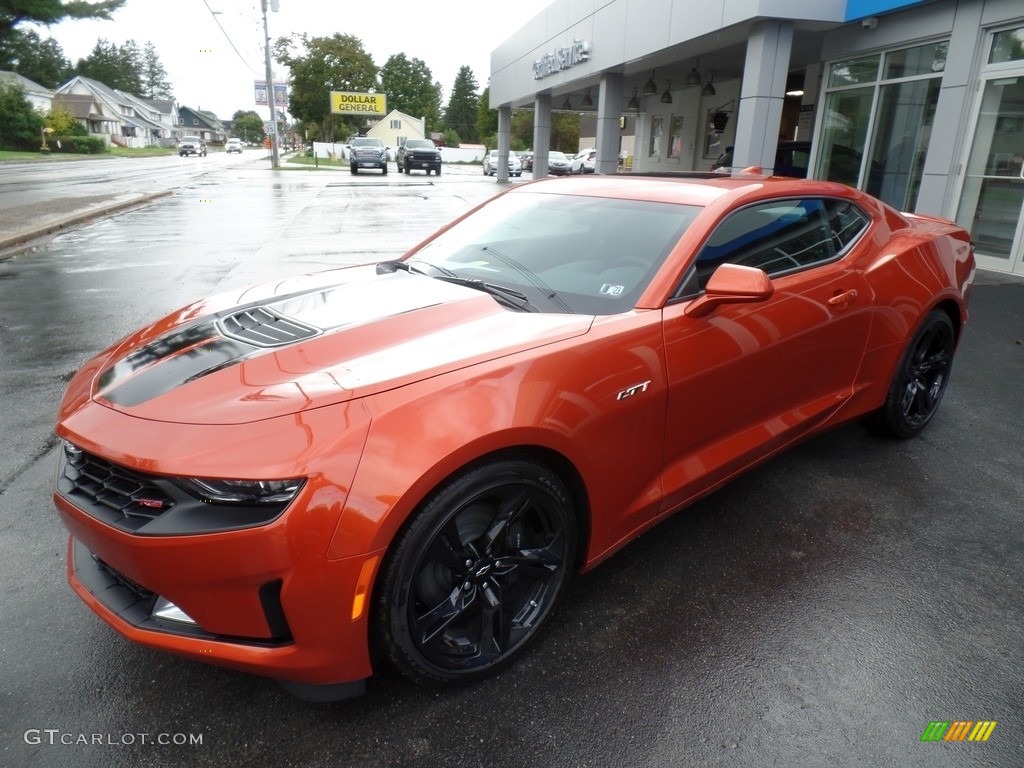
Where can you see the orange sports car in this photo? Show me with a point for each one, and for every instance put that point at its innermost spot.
(405, 462)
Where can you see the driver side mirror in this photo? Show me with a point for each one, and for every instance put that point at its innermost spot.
(731, 284)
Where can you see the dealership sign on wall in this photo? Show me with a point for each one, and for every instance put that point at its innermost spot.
(561, 58)
(344, 103)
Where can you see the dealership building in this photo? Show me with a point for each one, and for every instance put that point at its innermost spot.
(919, 102)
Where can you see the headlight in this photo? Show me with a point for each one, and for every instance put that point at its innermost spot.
(244, 491)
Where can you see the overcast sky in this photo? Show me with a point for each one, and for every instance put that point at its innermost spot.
(207, 73)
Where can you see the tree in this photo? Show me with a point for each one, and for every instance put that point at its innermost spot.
(153, 76)
(62, 121)
(20, 125)
(318, 66)
(486, 120)
(14, 12)
(461, 113)
(115, 67)
(42, 61)
(410, 88)
(248, 125)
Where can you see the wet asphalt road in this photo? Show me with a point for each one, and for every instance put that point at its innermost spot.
(819, 611)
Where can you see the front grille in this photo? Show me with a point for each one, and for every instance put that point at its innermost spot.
(110, 492)
(264, 327)
(135, 588)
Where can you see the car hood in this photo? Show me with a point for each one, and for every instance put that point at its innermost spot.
(307, 343)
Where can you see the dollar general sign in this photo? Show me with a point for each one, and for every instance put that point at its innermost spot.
(343, 103)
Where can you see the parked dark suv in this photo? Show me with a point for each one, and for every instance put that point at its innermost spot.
(191, 145)
(367, 152)
(419, 153)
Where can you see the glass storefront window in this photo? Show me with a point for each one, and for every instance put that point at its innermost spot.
(844, 134)
(853, 71)
(895, 96)
(922, 60)
(1007, 46)
(993, 194)
(903, 124)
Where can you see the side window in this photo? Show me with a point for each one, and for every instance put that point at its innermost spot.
(781, 236)
(847, 222)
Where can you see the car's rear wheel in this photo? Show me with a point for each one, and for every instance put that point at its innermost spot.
(475, 574)
(920, 380)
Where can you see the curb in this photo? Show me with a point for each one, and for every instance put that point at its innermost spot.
(81, 217)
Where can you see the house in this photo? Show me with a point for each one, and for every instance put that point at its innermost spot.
(205, 125)
(395, 127)
(89, 112)
(122, 118)
(168, 112)
(40, 97)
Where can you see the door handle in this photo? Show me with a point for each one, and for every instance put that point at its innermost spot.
(841, 299)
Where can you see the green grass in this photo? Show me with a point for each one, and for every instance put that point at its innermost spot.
(115, 151)
(313, 163)
(36, 157)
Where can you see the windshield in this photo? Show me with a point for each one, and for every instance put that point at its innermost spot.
(367, 143)
(566, 253)
(419, 144)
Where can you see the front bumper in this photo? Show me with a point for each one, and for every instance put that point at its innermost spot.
(265, 598)
(255, 607)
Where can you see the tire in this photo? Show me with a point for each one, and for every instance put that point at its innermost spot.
(472, 578)
(384, 170)
(407, 172)
(438, 170)
(920, 380)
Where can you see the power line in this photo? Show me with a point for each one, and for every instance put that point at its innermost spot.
(228, 38)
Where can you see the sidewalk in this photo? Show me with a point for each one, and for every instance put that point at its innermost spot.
(24, 223)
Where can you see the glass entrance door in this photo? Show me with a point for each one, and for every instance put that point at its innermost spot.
(992, 202)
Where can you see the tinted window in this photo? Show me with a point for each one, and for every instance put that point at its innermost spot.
(782, 236)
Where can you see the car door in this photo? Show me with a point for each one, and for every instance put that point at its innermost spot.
(748, 378)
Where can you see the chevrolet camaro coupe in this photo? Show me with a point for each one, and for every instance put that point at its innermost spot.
(404, 463)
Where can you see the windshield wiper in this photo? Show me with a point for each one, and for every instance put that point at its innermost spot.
(508, 296)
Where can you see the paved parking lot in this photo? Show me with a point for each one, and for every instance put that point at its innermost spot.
(821, 610)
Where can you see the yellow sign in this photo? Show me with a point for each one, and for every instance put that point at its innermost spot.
(343, 103)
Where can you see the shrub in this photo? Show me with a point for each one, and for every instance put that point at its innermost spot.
(78, 145)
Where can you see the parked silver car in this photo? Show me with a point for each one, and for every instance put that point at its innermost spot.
(515, 167)
(558, 164)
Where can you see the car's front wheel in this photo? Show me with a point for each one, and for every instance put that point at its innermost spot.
(920, 380)
(475, 574)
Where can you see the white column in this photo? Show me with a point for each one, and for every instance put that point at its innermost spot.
(609, 110)
(504, 141)
(541, 134)
(759, 116)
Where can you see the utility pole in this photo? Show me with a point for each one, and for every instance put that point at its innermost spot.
(275, 163)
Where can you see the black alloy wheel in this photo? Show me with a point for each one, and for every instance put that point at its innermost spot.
(471, 580)
(921, 378)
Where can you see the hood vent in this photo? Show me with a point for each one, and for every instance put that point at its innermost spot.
(263, 327)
